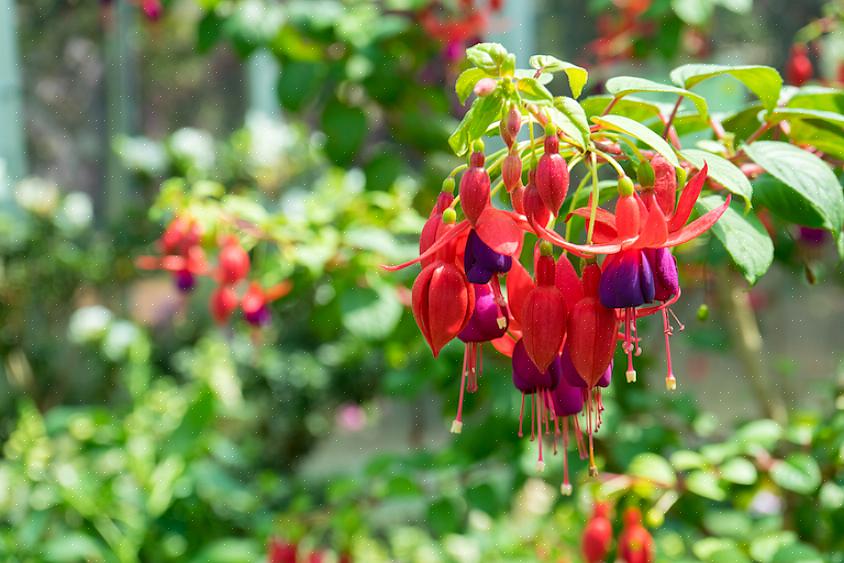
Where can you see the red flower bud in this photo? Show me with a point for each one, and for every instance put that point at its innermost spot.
(798, 69)
(485, 86)
(511, 171)
(281, 552)
(591, 331)
(597, 536)
(510, 126)
(552, 175)
(544, 316)
(517, 199)
(223, 303)
(442, 301)
(635, 544)
(474, 189)
(233, 262)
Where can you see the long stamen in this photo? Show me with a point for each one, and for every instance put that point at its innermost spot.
(578, 436)
(636, 340)
(566, 488)
(521, 416)
(532, 416)
(472, 353)
(593, 469)
(628, 347)
(600, 408)
(540, 464)
(670, 380)
(556, 432)
(457, 424)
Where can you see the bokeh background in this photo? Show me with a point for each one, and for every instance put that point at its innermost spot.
(134, 429)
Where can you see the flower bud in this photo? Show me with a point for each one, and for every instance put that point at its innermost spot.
(448, 185)
(552, 174)
(645, 174)
(233, 262)
(511, 171)
(485, 87)
(474, 189)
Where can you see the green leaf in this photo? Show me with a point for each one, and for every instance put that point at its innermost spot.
(195, 422)
(621, 86)
(693, 12)
(629, 106)
(718, 550)
(764, 547)
(532, 91)
(728, 523)
(371, 313)
(345, 129)
(481, 115)
(444, 516)
(797, 553)
(806, 174)
(798, 473)
(788, 114)
(759, 434)
(722, 171)
(740, 471)
(569, 117)
(683, 460)
(706, 485)
(737, 6)
(763, 81)
(654, 468)
(71, 547)
(639, 131)
(743, 236)
(490, 57)
(466, 82)
(577, 75)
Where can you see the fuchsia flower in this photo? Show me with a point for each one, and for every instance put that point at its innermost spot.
(559, 328)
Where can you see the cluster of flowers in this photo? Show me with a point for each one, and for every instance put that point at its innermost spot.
(458, 30)
(559, 328)
(635, 544)
(183, 256)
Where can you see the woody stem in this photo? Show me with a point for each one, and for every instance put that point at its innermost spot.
(744, 330)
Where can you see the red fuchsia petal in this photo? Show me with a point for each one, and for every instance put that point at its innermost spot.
(278, 291)
(687, 200)
(591, 338)
(627, 218)
(419, 300)
(519, 285)
(450, 302)
(504, 345)
(535, 209)
(499, 232)
(582, 250)
(223, 303)
(461, 228)
(698, 226)
(474, 192)
(603, 218)
(233, 262)
(654, 231)
(665, 184)
(429, 232)
(544, 325)
(567, 282)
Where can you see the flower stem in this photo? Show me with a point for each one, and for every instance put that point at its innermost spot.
(593, 212)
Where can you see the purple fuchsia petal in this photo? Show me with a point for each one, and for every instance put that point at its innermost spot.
(185, 280)
(481, 262)
(606, 378)
(258, 317)
(526, 376)
(664, 268)
(569, 372)
(627, 280)
(567, 399)
(488, 320)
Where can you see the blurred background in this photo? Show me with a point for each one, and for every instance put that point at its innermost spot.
(136, 429)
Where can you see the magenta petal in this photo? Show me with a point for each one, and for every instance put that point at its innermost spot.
(526, 376)
(488, 320)
(664, 267)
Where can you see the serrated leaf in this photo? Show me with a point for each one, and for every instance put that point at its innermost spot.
(740, 471)
(466, 82)
(706, 485)
(763, 81)
(722, 171)
(532, 91)
(621, 86)
(654, 468)
(490, 57)
(806, 174)
(798, 473)
(743, 236)
(635, 129)
(577, 75)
